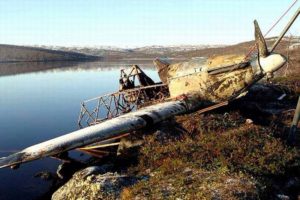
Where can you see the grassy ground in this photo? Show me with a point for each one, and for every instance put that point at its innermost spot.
(222, 155)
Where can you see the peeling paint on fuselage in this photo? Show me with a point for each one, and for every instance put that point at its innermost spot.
(194, 78)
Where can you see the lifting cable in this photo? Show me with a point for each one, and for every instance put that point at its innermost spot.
(252, 48)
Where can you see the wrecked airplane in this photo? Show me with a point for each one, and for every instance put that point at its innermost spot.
(192, 85)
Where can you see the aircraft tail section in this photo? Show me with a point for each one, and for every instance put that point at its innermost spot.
(260, 41)
(162, 68)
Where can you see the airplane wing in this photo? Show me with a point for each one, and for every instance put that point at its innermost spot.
(110, 128)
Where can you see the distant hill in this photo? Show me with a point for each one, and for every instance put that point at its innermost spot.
(240, 48)
(110, 53)
(12, 53)
(11, 56)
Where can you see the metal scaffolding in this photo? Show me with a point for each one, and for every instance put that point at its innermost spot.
(136, 90)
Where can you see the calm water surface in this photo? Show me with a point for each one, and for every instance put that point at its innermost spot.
(38, 106)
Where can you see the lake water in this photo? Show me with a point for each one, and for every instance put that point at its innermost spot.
(38, 106)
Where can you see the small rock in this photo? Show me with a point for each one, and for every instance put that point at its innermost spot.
(188, 180)
(292, 184)
(44, 175)
(230, 180)
(93, 170)
(249, 121)
(283, 197)
(152, 174)
(66, 169)
(160, 135)
(187, 171)
(148, 171)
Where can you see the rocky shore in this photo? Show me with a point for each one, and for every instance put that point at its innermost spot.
(235, 152)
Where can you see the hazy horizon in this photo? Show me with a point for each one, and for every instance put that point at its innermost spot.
(132, 47)
(138, 23)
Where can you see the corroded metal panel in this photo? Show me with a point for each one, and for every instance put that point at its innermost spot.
(214, 88)
(207, 85)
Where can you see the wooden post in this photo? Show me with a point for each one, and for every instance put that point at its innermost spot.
(292, 133)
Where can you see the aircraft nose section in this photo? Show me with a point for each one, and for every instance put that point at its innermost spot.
(272, 63)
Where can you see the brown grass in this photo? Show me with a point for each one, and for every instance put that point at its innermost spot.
(219, 156)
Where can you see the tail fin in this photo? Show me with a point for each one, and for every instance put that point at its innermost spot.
(260, 41)
(162, 68)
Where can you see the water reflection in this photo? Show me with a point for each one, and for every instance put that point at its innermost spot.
(38, 106)
(28, 67)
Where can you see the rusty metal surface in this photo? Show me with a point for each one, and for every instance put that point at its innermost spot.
(213, 88)
(99, 109)
(162, 69)
(260, 41)
(136, 90)
(128, 78)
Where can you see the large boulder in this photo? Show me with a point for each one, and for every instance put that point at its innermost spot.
(89, 183)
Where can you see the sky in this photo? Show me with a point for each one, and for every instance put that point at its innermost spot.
(131, 23)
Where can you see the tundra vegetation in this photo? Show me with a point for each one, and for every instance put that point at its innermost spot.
(220, 156)
(236, 152)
